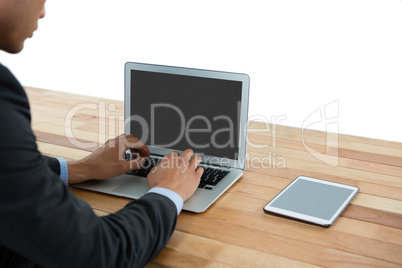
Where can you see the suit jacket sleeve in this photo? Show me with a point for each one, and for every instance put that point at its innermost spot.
(41, 220)
(52, 163)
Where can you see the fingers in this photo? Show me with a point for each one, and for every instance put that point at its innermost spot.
(174, 159)
(177, 173)
(195, 162)
(184, 160)
(132, 142)
(187, 154)
(199, 171)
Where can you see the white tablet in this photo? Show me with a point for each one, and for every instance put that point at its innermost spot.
(312, 200)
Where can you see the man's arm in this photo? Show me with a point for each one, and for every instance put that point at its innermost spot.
(107, 161)
(42, 220)
(45, 223)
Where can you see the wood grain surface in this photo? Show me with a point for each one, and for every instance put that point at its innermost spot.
(235, 231)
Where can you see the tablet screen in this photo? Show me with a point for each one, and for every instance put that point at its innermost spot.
(312, 197)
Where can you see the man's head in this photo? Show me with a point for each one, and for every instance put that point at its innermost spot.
(18, 21)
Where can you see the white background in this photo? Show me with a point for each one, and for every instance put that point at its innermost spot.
(300, 55)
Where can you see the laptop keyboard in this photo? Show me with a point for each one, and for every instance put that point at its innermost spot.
(210, 178)
(150, 162)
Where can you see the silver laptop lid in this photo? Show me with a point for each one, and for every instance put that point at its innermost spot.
(173, 109)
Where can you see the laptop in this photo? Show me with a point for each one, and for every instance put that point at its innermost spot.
(174, 109)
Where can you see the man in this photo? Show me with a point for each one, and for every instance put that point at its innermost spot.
(41, 222)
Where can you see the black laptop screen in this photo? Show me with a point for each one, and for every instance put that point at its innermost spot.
(180, 112)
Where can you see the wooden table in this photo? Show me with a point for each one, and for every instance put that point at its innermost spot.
(235, 231)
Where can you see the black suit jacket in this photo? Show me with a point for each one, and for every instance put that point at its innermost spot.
(42, 223)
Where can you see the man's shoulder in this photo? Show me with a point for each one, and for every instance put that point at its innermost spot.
(4, 70)
(9, 83)
(6, 76)
(12, 94)
(15, 117)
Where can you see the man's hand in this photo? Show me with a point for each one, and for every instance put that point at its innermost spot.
(107, 161)
(177, 173)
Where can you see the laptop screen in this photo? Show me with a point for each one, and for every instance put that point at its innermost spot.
(180, 112)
